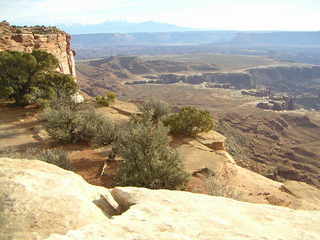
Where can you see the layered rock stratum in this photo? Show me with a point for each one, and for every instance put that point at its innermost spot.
(278, 77)
(42, 201)
(49, 39)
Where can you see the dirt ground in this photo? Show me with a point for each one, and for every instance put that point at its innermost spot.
(20, 138)
(16, 127)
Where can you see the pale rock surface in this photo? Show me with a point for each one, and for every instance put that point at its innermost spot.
(302, 190)
(37, 199)
(231, 180)
(41, 201)
(119, 111)
(125, 108)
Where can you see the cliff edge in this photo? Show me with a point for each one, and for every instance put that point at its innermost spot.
(49, 39)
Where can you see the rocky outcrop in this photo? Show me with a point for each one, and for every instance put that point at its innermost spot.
(42, 201)
(48, 39)
(125, 66)
(215, 172)
(239, 80)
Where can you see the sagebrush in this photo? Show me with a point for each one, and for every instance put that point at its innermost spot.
(71, 124)
(57, 157)
(148, 161)
(157, 108)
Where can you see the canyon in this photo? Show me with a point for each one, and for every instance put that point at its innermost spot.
(255, 173)
(278, 78)
(289, 78)
(279, 145)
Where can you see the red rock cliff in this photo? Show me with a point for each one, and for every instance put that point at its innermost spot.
(48, 39)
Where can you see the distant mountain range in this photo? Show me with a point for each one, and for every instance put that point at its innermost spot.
(287, 46)
(278, 38)
(150, 38)
(122, 27)
(196, 38)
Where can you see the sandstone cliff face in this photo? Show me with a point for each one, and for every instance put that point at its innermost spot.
(42, 201)
(51, 40)
(286, 77)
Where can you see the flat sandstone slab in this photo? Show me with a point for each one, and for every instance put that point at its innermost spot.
(42, 201)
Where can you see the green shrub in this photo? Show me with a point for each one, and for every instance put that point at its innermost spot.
(148, 161)
(72, 125)
(111, 96)
(102, 101)
(26, 77)
(57, 157)
(190, 121)
(159, 109)
(106, 100)
(54, 156)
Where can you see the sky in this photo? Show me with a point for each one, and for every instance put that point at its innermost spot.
(302, 15)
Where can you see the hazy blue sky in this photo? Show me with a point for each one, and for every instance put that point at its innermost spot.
(208, 14)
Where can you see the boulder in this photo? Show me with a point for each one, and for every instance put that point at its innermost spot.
(37, 199)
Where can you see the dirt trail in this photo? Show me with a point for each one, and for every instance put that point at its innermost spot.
(17, 127)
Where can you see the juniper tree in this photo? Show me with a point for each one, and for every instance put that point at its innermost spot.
(28, 77)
